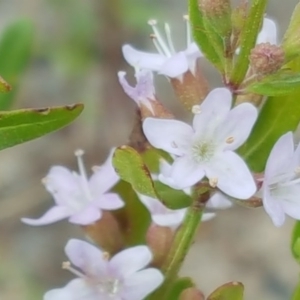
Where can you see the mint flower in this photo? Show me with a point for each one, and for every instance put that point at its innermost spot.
(78, 198)
(268, 33)
(122, 277)
(206, 148)
(281, 185)
(162, 215)
(168, 61)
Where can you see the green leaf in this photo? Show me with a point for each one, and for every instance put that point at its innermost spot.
(279, 84)
(15, 51)
(228, 291)
(248, 39)
(295, 242)
(179, 286)
(131, 168)
(296, 295)
(208, 41)
(19, 126)
(134, 217)
(278, 116)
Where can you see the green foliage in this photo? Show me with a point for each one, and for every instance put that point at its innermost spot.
(19, 126)
(248, 39)
(295, 242)
(296, 295)
(228, 291)
(204, 34)
(282, 83)
(15, 52)
(131, 168)
(278, 116)
(179, 286)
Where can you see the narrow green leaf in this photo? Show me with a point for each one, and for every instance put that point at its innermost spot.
(19, 126)
(278, 116)
(179, 286)
(131, 168)
(248, 39)
(15, 51)
(279, 84)
(295, 242)
(296, 295)
(228, 291)
(208, 41)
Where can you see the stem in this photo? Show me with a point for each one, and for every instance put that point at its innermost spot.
(181, 245)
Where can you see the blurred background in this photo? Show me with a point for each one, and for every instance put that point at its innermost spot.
(69, 51)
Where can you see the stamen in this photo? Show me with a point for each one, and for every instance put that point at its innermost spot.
(213, 182)
(188, 30)
(196, 109)
(66, 265)
(82, 172)
(230, 140)
(156, 44)
(169, 38)
(159, 38)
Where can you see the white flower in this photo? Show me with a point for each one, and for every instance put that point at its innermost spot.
(167, 62)
(281, 185)
(206, 149)
(161, 215)
(122, 277)
(77, 198)
(268, 33)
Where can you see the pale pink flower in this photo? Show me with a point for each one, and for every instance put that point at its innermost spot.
(206, 148)
(123, 277)
(78, 198)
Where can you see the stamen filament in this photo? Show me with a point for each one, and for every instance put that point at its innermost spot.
(156, 44)
(188, 30)
(66, 265)
(159, 38)
(169, 38)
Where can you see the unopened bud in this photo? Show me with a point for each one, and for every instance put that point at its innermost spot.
(191, 294)
(218, 14)
(106, 233)
(159, 239)
(266, 58)
(191, 89)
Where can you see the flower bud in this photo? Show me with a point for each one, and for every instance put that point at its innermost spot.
(218, 14)
(266, 58)
(191, 294)
(106, 233)
(159, 239)
(191, 89)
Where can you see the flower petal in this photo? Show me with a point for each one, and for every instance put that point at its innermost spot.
(143, 60)
(186, 172)
(207, 216)
(175, 66)
(279, 160)
(62, 184)
(53, 215)
(86, 257)
(104, 177)
(170, 135)
(76, 289)
(172, 219)
(237, 125)
(214, 109)
(232, 174)
(218, 201)
(139, 285)
(109, 201)
(268, 33)
(86, 216)
(273, 207)
(129, 261)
